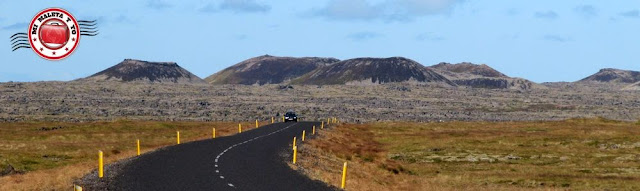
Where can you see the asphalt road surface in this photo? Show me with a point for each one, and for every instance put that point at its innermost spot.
(251, 160)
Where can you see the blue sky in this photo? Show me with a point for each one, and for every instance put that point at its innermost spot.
(542, 40)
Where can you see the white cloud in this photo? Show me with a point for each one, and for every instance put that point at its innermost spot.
(556, 38)
(19, 25)
(546, 15)
(360, 36)
(247, 6)
(389, 10)
(429, 37)
(350, 10)
(426, 7)
(631, 14)
(588, 11)
(158, 4)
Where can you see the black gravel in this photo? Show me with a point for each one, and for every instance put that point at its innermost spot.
(254, 165)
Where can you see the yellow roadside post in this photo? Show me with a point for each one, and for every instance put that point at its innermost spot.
(283, 118)
(256, 123)
(214, 133)
(295, 152)
(328, 120)
(302, 135)
(294, 142)
(271, 120)
(334, 120)
(344, 175)
(138, 146)
(322, 127)
(178, 137)
(239, 128)
(77, 188)
(313, 131)
(100, 165)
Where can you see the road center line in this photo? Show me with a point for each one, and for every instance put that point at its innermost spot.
(238, 144)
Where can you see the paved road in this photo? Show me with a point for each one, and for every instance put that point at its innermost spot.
(251, 160)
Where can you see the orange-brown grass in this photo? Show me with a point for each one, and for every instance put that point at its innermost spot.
(51, 160)
(576, 154)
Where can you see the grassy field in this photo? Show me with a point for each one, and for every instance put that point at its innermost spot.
(49, 155)
(575, 154)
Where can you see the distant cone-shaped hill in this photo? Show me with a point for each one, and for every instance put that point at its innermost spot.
(481, 76)
(469, 68)
(611, 75)
(372, 71)
(131, 70)
(268, 70)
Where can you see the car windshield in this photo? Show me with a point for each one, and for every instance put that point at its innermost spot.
(290, 114)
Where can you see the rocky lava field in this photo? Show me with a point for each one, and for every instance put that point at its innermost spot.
(90, 101)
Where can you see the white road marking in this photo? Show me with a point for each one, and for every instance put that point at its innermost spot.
(238, 144)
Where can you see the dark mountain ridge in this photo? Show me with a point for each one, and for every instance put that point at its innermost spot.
(470, 68)
(372, 70)
(612, 75)
(268, 70)
(481, 76)
(131, 70)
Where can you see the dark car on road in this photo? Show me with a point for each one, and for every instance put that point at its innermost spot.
(290, 116)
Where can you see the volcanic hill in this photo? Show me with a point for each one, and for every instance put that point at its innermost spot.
(268, 70)
(481, 76)
(611, 75)
(372, 71)
(131, 70)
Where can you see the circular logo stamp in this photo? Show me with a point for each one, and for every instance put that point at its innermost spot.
(54, 34)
